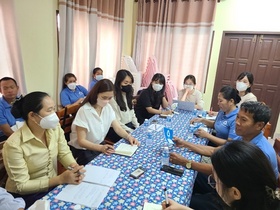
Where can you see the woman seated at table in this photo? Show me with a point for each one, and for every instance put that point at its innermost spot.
(225, 121)
(244, 83)
(150, 99)
(30, 154)
(189, 93)
(122, 104)
(71, 92)
(92, 123)
(243, 178)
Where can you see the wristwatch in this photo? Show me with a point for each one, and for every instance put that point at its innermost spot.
(189, 165)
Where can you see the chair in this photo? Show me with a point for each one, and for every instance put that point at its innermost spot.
(69, 116)
(276, 147)
(61, 115)
(3, 172)
(266, 130)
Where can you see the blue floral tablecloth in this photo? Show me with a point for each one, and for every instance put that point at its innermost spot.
(129, 193)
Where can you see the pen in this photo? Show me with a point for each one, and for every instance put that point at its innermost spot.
(71, 168)
(166, 197)
(211, 110)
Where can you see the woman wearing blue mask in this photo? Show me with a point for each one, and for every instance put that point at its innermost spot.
(71, 92)
(150, 99)
(31, 153)
(122, 104)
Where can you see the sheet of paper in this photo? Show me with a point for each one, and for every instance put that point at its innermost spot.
(210, 117)
(156, 127)
(100, 175)
(152, 206)
(126, 149)
(86, 194)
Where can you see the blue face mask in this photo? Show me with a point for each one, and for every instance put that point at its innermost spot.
(99, 77)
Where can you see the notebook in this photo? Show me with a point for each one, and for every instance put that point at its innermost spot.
(126, 149)
(184, 105)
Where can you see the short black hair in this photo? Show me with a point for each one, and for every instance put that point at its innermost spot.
(8, 78)
(96, 69)
(229, 92)
(191, 77)
(260, 111)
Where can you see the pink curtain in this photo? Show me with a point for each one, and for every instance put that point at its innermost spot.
(178, 33)
(11, 64)
(90, 36)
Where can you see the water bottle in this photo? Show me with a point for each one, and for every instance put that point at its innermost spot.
(168, 122)
(165, 156)
(149, 138)
(146, 124)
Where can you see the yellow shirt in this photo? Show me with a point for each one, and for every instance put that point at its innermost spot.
(30, 164)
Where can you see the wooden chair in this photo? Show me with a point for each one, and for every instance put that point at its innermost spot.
(61, 115)
(266, 130)
(69, 116)
(3, 172)
(276, 147)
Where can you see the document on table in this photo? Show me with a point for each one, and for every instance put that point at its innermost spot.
(152, 206)
(93, 189)
(126, 149)
(156, 127)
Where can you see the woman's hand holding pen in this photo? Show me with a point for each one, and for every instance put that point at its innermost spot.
(173, 205)
(74, 174)
(132, 140)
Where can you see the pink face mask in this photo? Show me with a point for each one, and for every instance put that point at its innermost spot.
(102, 102)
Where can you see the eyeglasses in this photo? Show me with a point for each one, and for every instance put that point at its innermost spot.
(211, 181)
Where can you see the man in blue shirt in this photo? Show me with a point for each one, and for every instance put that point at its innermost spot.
(9, 91)
(250, 120)
(97, 74)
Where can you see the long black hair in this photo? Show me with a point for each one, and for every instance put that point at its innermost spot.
(244, 166)
(157, 95)
(121, 75)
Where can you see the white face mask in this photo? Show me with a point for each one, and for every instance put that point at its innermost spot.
(157, 87)
(241, 86)
(188, 86)
(99, 77)
(101, 102)
(49, 122)
(72, 86)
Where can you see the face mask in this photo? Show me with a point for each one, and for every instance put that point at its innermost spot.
(99, 77)
(188, 86)
(101, 102)
(241, 86)
(157, 87)
(72, 86)
(49, 122)
(126, 88)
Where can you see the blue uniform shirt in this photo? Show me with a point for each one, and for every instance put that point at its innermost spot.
(6, 116)
(261, 142)
(92, 83)
(68, 96)
(225, 125)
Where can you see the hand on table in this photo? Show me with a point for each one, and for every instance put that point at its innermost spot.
(173, 205)
(133, 141)
(179, 142)
(167, 112)
(201, 133)
(107, 149)
(74, 175)
(196, 120)
(177, 159)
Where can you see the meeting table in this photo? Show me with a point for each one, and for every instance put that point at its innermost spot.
(130, 193)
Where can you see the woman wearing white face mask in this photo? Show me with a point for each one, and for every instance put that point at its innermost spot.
(150, 100)
(92, 123)
(31, 153)
(189, 93)
(71, 92)
(243, 85)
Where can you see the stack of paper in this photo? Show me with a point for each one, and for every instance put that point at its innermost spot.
(93, 189)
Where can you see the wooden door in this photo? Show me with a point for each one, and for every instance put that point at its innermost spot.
(256, 53)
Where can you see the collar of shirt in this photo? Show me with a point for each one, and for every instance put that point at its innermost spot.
(27, 135)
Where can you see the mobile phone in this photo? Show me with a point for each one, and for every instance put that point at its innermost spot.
(163, 116)
(137, 173)
(172, 170)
